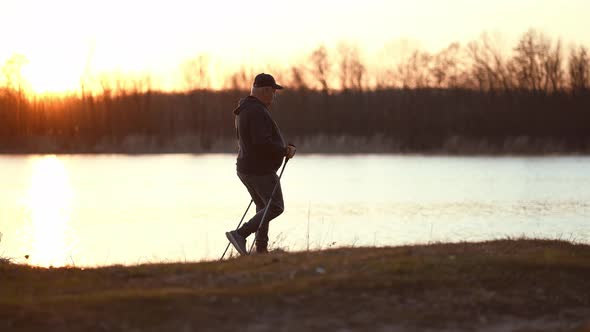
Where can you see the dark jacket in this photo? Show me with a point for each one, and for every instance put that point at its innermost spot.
(261, 145)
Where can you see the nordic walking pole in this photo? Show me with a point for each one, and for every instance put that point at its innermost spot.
(268, 205)
(237, 228)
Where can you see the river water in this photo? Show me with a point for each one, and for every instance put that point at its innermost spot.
(93, 210)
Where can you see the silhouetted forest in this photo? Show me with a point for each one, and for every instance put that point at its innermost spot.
(463, 99)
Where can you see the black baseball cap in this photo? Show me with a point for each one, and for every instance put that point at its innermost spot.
(262, 80)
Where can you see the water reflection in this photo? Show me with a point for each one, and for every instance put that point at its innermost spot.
(162, 208)
(47, 236)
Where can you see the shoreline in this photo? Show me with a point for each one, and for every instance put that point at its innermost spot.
(324, 145)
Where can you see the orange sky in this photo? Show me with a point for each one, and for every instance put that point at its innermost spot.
(65, 41)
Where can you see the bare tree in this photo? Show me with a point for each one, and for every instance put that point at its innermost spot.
(352, 71)
(553, 67)
(415, 71)
(240, 80)
(107, 86)
(579, 70)
(196, 74)
(298, 80)
(321, 67)
(15, 83)
(488, 67)
(537, 63)
(385, 79)
(448, 67)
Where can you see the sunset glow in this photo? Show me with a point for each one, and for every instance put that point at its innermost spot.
(70, 44)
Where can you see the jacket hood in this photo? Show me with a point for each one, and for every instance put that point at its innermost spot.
(244, 102)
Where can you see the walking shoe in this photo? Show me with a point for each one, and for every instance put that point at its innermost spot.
(238, 241)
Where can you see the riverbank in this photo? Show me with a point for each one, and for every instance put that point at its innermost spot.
(313, 144)
(505, 285)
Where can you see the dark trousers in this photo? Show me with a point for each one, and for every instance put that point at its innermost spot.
(260, 188)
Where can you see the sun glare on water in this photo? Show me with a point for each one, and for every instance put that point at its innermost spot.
(47, 234)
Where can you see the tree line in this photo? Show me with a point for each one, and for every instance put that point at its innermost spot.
(474, 98)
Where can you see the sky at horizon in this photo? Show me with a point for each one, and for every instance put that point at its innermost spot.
(64, 41)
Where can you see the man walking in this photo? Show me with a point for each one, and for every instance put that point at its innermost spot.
(261, 152)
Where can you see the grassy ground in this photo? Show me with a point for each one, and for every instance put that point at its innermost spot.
(508, 285)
